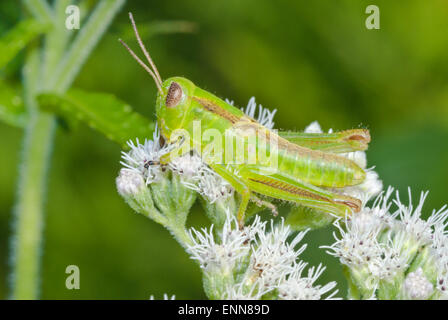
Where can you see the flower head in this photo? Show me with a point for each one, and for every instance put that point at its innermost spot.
(264, 116)
(209, 184)
(253, 262)
(273, 257)
(379, 247)
(233, 246)
(129, 182)
(416, 286)
(298, 287)
(139, 158)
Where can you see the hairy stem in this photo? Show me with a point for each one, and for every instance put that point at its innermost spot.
(29, 215)
(29, 209)
(28, 224)
(39, 9)
(179, 233)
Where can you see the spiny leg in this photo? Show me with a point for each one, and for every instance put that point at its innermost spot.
(263, 203)
(285, 187)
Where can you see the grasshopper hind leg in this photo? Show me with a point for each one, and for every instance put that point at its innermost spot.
(285, 187)
(252, 179)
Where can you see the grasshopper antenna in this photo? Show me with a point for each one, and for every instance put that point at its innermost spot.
(159, 87)
(154, 74)
(142, 46)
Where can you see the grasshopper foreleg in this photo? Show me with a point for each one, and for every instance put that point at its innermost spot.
(240, 186)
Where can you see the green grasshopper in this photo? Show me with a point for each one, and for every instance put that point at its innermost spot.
(308, 170)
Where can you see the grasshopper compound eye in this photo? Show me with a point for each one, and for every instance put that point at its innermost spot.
(174, 95)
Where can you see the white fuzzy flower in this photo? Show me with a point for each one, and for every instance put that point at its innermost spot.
(273, 257)
(380, 208)
(357, 245)
(264, 116)
(209, 184)
(313, 127)
(439, 247)
(129, 182)
(233, 246)
(298, 287)
(139, 157)
(265, 261)
(358, 157)
(442, 285)
(421, 230)
(416, 286)
(392, 260)
(187, 166)
(386, 245)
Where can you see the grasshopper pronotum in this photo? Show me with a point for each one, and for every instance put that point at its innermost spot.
(307, 163)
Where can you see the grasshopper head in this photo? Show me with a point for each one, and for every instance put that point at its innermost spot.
(174, 94)
(173, 103)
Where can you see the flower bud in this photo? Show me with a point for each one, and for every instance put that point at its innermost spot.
(129, 183)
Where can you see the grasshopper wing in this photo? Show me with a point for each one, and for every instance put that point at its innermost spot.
(336, 142)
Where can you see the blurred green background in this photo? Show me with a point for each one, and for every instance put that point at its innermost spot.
(312, 60)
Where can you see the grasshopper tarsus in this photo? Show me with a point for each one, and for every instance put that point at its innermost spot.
(267, 204)
(152, 163)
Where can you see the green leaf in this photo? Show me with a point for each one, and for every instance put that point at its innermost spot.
(150, 29)
(83, 44)
(17, 38)
(101, 111)
(12, 108)
(301, 218)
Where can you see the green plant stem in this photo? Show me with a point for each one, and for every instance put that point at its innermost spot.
(29, 212)
(179, 233)
(28, 224)
(39, 9)
(37, 145)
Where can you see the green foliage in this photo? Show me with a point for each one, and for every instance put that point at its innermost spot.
(39, 8)
(12, 109)
(17, 38)
(148, 29)
(101, 111)
(84, 43)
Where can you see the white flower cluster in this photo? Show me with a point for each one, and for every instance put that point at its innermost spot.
(253, 262)
(140, 156)
(387, 249)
